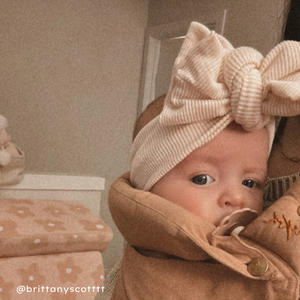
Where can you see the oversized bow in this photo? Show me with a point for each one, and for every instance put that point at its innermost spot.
(213, 84)
(211, 79)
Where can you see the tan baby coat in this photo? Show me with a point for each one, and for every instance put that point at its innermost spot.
(174, 254)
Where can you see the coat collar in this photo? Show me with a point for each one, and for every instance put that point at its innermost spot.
(149, 222)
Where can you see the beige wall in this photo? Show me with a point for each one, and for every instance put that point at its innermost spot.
(69, 73)
(249, 23)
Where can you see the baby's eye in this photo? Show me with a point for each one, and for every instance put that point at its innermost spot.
(249, 183)
(202, 179)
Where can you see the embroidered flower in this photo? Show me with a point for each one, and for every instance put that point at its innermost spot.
(5, 288)
(51, 225)
(92, 226)
(98, 275)
(55, 211)
(21, 211)
(37, 242)
(74, 239)
(8, 227)
(31, 276)
(78, 208)
(68, 271)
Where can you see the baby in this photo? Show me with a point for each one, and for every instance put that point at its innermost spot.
(224, 175)
(199, 164)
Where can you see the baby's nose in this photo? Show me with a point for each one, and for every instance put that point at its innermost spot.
(232, 197)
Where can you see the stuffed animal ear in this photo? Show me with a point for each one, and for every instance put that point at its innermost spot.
(5, 157)
(12, 164)
(12, 159)
(3, 122)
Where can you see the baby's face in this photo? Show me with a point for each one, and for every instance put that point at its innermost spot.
(224, 175)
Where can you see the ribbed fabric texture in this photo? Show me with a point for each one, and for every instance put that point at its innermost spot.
(213, 84)
(276, 187)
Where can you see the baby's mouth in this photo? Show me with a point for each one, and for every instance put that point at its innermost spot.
(236, 221)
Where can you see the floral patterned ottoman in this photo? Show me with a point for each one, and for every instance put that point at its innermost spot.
(50, 250)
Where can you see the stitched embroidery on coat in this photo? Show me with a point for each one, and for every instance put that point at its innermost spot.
(284, 224)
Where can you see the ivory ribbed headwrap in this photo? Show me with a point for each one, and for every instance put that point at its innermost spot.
(213, 84)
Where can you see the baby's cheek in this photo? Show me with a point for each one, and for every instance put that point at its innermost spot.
(258, 202)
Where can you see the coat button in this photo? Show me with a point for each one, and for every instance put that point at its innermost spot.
(258, 266)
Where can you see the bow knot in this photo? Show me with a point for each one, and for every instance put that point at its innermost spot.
(244, 80)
